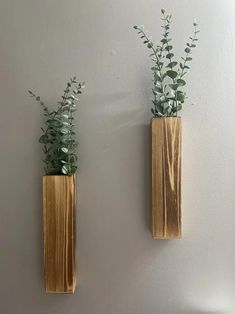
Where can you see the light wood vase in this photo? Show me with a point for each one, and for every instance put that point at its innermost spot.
(166, 178)
(59, 205)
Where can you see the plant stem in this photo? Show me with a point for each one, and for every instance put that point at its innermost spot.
(167, 23)
(187, 53)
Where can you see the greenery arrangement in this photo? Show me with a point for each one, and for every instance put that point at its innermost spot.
(58, 138)
(168, 74)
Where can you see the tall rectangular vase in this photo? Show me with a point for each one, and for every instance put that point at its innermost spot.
(166, 178)
(59, 206)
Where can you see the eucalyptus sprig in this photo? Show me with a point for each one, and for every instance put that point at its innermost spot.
(58, 138)
(168, 74)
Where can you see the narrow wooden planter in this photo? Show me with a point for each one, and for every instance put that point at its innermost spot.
(59, 205)
(166, 178)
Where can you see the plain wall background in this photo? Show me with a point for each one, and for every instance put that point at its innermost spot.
(121, 270)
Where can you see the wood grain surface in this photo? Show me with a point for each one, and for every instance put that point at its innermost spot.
(166, 178)
(59, 205)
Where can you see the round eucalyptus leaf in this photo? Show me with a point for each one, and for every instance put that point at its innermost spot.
(169, 55)
(181, 82)
(180, 96)
(172, 74)
(64, 130)
(64, 149)
(174, 86)
(65, 169)
(44, 139)
(168, 48)
(172, 64)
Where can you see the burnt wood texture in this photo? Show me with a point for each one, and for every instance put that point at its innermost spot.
(59, 205)
(166, 178)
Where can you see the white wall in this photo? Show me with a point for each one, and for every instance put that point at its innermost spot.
(121, 269)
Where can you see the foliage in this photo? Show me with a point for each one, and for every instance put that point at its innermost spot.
(168, 74)
(58, 138)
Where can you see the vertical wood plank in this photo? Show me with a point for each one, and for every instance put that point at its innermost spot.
(166, 177)
(59, 205)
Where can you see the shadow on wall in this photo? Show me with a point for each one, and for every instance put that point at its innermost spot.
(148, 177)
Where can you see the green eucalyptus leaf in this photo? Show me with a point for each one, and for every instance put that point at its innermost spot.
(44, 139)
(65, 169)
(73, 169)
(64, 130)
(64, 149)
(174, 86)
(172, 64)
(154, 69)
(172, 74)
(73, 97)
(72, 158)
(54, 123)
(180, 96)
(157, 78)
(158, 106)
(164, 41)
(181, 82)
(158, 89)
(177, 108)
(68, 102)
(65, 138)
(168, 48)
(169, 55)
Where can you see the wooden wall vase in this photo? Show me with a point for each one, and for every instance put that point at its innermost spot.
(166, 178)
(59, 205)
